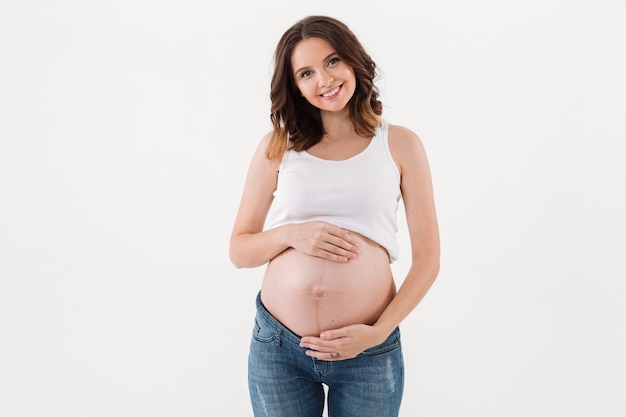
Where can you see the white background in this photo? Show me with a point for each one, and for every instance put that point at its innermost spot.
(126, 128)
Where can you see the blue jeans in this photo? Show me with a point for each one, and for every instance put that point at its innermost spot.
(284, 382)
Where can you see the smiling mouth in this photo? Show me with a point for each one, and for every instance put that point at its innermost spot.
(332, 92)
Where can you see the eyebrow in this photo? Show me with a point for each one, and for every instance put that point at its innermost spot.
(323, 60)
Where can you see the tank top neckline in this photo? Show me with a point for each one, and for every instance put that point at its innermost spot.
(355, 156)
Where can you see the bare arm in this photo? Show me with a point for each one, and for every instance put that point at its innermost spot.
(251, 246)
(417, 194)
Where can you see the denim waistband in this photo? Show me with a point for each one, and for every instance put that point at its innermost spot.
(268, 320)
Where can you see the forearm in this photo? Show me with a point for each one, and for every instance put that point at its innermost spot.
(250, 250)
(415, 286)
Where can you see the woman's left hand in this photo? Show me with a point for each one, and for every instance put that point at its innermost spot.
(343, 343)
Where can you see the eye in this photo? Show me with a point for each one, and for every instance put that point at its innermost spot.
(333, 61)
(305, 74)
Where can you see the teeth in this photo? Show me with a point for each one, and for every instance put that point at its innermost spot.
(332, 92)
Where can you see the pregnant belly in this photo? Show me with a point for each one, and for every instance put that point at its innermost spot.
(308, 294)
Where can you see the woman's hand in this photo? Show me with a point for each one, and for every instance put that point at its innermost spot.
(323, 240)
(340, 344)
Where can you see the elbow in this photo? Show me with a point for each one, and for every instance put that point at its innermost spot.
(436, 268)
(429, 264)
(435, 264)
(238, 265)
(235, 259)
(240, 258)
(435, 261)
(233, 255)
(244, 255)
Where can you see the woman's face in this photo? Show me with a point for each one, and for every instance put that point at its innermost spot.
(322, 77)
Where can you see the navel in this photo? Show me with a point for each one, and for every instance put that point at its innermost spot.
(318, 291)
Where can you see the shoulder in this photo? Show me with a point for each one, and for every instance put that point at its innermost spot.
(260, 162)
(404, 144)
(265, 140)
(408, 152)
(264, 143)
(400, 134)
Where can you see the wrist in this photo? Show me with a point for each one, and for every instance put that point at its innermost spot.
(284, 233)
(382, 331)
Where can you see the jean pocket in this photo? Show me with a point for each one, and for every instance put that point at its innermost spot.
(391, 343)
(262, 333)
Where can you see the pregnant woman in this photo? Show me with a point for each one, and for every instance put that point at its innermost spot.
(319, 208)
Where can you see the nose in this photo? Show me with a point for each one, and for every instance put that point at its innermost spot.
(327, 80)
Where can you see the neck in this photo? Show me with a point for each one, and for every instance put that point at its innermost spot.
(337, 123)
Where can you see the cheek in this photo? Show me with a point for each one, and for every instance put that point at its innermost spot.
(349, 74)
(352, 79)
(305, 89)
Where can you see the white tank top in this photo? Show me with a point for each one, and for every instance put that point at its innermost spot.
(359, 194)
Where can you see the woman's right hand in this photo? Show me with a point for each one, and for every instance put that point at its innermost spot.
(323, 240)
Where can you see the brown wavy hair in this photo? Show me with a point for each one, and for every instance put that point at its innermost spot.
(292, 116)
